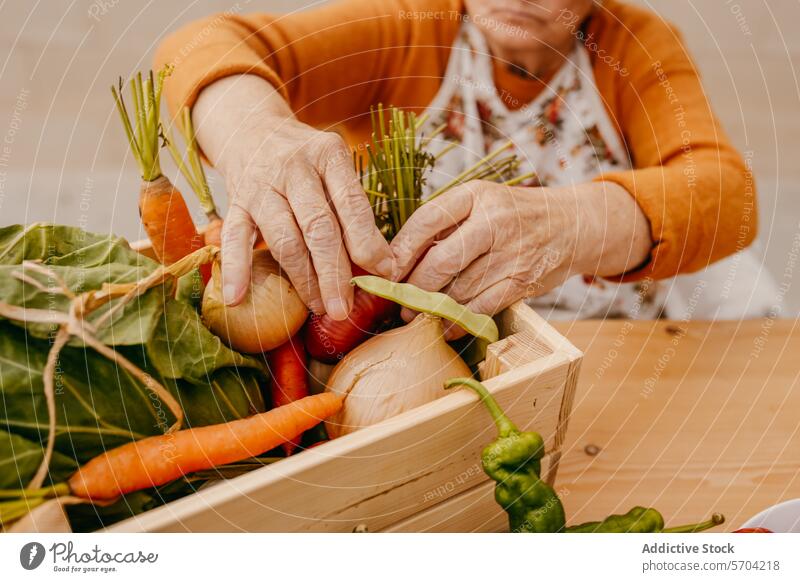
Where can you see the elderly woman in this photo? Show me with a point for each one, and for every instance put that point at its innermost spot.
(635, 181)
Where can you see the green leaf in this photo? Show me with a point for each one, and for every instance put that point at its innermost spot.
(84, 261)
(19, 459)
(182, 347)
(66, 245)
(99, 405)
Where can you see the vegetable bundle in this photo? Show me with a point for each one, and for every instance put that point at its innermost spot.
(98, 403)
(393, 174)
(119, 366)
(163, 210)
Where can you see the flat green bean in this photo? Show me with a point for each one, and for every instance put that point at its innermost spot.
(433, 303)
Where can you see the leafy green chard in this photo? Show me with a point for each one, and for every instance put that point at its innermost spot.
(98, 404)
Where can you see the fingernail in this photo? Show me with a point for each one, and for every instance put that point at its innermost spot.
(228, 294)
(385, 268)
(338, 309)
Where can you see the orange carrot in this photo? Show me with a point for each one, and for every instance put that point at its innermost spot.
(213, 233)
(166, 218)
(160, 459)
(167, 221)
(288, 366)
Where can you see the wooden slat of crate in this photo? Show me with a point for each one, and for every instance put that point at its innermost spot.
(473, 510)
(375, 476)
(511, 352)
(384, 474)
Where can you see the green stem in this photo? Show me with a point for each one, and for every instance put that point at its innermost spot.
(519, 179)
(142, 125)
(504, 425)
(447, 148)
(477, 165)
(420, 121)
(50, 491)
(12, 510)
(716, 519)
(192, 170)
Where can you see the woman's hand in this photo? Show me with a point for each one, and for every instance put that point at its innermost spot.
(488, 245)
(297, 186)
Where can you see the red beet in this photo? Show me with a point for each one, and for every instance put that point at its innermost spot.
(287, 364)
(328, 340)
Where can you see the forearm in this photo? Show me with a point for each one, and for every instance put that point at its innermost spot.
(690, 182)
(610, 234)
(613, 231)
(330, 63)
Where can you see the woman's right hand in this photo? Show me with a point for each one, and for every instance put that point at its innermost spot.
(295, 184)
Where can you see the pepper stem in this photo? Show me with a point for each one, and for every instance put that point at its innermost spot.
(716, 519)
(504, 425)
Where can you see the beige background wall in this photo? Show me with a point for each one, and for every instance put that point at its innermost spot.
(63, 158)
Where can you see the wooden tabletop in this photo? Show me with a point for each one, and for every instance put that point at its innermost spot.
(690, 418)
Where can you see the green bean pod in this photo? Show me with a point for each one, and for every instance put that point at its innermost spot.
(432, 303)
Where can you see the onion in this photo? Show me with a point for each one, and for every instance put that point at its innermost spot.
(270, 313)
(390, 373)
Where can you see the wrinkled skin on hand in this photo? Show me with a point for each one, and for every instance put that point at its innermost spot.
(488, 245)
(295, 184)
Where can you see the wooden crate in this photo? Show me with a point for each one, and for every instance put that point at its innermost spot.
(417, 471)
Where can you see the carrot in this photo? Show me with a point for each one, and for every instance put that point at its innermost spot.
(167, 221)
(160, 459)
(328, 340)
(287, 364)
(213, 233)
(163, 211)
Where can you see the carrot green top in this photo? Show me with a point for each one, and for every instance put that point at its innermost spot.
(333, 62)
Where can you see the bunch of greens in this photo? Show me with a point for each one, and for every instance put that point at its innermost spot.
(398, 158)
(98, 403)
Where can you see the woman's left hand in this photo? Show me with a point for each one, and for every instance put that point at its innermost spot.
(488, 245)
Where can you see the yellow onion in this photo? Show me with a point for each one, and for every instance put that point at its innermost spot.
(390, 373)
(270, 313)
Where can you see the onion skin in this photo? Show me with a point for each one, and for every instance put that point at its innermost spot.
(328, 340)
(268, 316)
(391, 373)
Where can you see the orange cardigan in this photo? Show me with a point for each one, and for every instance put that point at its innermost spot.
(333, 62)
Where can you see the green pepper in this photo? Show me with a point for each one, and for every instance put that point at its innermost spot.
(642, 520)
(513, 461)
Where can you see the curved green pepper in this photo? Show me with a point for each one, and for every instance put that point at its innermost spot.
(642, 520)
(513, 461)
